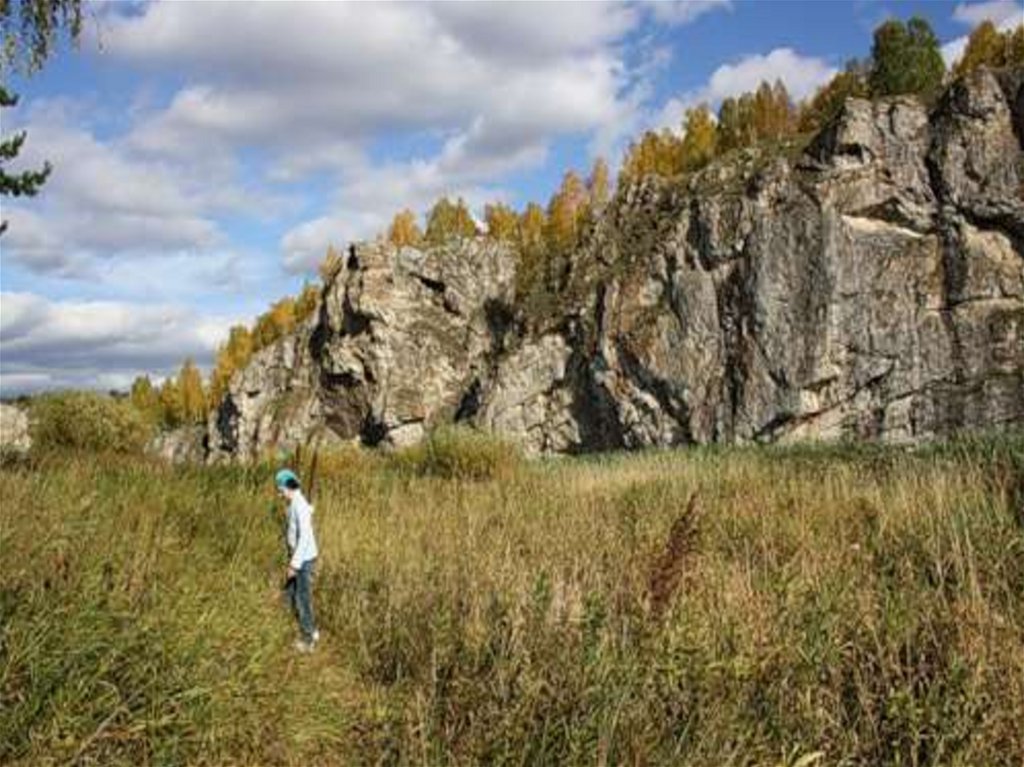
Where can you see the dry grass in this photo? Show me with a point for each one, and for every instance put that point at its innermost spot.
(836, 606)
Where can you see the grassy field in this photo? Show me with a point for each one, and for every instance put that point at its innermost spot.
(768, 606)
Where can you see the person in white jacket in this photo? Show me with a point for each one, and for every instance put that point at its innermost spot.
(302, 552)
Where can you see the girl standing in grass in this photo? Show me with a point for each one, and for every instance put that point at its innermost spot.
(302, 557)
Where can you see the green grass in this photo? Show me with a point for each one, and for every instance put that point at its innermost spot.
(840, 606)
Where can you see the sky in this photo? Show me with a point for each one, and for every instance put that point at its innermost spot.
(206, 153)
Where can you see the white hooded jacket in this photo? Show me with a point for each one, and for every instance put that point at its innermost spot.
(301, 540)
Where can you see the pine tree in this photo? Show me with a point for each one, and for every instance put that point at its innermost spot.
(30, 29)
(906, 59)
(25, 183)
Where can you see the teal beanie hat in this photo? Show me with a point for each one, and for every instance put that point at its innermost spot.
(282, 477)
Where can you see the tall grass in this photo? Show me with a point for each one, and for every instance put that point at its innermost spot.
(817, 606)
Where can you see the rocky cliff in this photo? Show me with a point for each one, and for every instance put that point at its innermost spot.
(869, 285)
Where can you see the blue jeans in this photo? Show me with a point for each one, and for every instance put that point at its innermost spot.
(300, 595)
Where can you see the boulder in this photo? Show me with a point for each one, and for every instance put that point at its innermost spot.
(14, 429)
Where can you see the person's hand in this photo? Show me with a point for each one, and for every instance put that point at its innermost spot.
(291, 572)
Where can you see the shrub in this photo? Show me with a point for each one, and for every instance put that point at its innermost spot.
(88, 421)
(454, 452)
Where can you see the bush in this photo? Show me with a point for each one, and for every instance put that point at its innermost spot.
(87, 421)
(454, 452)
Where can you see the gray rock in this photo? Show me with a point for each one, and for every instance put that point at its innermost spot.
(870, 288)
(14, 430)
(184, 445)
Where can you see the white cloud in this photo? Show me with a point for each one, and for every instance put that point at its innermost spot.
(802, 76)
(1005, 14)
(678, 12)
(489, 84)
(999, 12)
(342, 71)
(104, 201)
(953, 50)
(97, 344)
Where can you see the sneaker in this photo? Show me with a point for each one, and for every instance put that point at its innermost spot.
(316, 636)
(302, 646)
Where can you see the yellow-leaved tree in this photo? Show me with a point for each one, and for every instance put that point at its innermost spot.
(171, 407)
(828, 100)
(988, 47)
(145, 399)
(233, 355)
(191, 393)
(564, 215)
(449, 220)
(599, 185)
(275, 323)
(532, 254)
(404, 231)
(502, 222)
(700, 138)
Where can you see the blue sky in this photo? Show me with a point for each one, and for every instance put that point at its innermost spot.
(206, 153)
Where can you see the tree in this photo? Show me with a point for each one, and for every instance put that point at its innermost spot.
(404, 231)
(275, 323)
(657, 154)
(331, 266)
(27, 182)
(599, 184)
(1015, 54)
(233, 355)
(906, 59)
(191, 393)
(171, 410)
(728, 128)
(502, 222)
(564, 213)
(306, 303)
(30, 30)
(145, 398)
(699, 139)
(448, 220)
(532, 254)
(829, 99)
(984, 48)
(988, 47)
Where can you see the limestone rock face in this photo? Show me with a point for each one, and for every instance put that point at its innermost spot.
(400, 337)
(184, 445)
(870, 286)
(14, 429)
